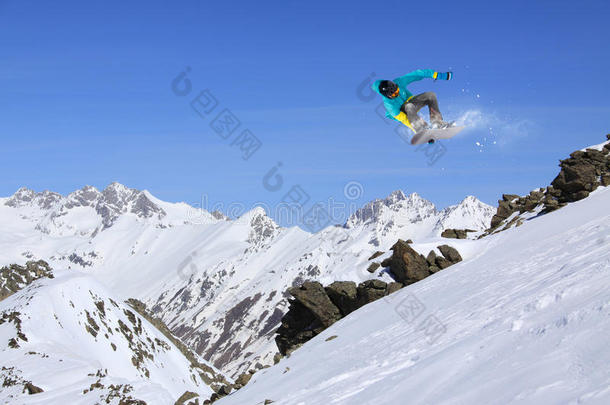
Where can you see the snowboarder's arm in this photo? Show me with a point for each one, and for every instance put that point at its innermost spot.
(422, 74)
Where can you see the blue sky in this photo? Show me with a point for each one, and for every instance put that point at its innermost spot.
(86, 95)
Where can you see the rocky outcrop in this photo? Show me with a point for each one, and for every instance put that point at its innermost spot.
(312, 296)
(456, 233)
(14, 277)
(314, 308)
(239, 383)
(580, 174)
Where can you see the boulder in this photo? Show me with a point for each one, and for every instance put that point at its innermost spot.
(456, 233)
(370, 290)
(393, 287)
(372, 267)
(450, 253)
(406, 264)
(509, 197)
(441, 263)
(344, 295)
(375, 255)
(297, 327)
(434, 269)
(313, 296)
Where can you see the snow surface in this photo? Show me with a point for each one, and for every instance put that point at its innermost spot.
(525, 319)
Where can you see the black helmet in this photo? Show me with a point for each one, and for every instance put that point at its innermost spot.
(387, 88)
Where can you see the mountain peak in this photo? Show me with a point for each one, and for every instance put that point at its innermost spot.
(25, 196)
(396, 195)
(118, 187)
(470, 213)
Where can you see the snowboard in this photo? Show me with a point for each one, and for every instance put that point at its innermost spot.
(425, 135)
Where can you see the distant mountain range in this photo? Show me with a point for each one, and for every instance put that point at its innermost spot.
(219, 284)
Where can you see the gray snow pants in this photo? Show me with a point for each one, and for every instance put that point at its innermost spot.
(412, 107)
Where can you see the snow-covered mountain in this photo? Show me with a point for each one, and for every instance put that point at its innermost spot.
(417, 217)
(219, 284)
(526, 320)
(67, 340)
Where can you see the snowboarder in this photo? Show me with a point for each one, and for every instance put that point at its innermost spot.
(403, 106)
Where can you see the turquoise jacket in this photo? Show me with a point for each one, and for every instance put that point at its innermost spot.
(392, 105)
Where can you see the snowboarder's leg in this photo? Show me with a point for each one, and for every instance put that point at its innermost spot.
(428, 99)
(411, 110)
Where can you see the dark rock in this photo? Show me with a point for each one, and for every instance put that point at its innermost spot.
(372, 267)
(344, 295)
(442, 263)
(431, 258)
(496, 220)
(449, 233)
(14, 277)
(312, 295)
(509, 197)
(243, 379)
(370, 290)
(504, 209)
(579, 173)
(393, 287)
(224, 390)
(298, 326)
(456, 233)
(406, 264)
(409, 241)
(376, 255)
(32, 389)
(434, 269)
(605, 180)
(188, 395)
(450, 253)
(580, 195)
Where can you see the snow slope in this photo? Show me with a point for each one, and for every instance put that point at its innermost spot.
(68, 337)
(218, 284)
(525, 320)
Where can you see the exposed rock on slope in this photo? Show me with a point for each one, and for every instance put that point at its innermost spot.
(314, 307)
(14, 277)
(456, 233)
(580, 174)
(210, 376)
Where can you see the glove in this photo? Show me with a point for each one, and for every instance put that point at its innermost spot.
(444, 76)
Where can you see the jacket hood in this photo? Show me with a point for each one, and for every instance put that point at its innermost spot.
(375, 86)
